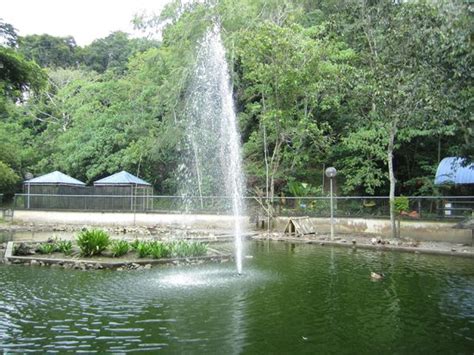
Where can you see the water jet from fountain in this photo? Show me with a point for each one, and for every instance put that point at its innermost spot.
(213, 161)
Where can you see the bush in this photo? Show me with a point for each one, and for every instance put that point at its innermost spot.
(159, 250)
(143, 249)
(180, 249)
(134, 244)
(93, 242)
(64, 246)
(119, 248)
(184, 248)
(46, 248)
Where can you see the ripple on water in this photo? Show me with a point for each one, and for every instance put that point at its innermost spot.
(301, 299)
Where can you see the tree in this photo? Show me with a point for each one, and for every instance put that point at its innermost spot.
(289, 80)
(50, 51)
(113, 52)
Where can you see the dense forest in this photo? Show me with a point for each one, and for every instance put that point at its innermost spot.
(382, 90)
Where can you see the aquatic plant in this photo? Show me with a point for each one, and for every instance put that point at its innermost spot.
(183, 248)
(46, 248)
(143, 249)
(64, 246)
(159, 250)
(119, 248)
(93, 242)
(135, 244)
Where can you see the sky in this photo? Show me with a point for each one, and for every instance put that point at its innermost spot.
(85, 20)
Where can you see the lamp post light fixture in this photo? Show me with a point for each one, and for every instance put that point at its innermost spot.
(331, 173)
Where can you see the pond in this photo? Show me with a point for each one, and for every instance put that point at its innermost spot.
(290, 299)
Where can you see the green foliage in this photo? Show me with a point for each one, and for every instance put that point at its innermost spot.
(119, 248)
(46, 248)
(8, 178)
(18, 75)
(134, 245)
(159, 250)
(183, 248)
(177, 249)
(93, 242)
(143, 249)
(401, 204)
(64, 246)
(49, 51)
(315, 82)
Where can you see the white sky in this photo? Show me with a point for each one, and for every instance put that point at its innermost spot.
(85, 20)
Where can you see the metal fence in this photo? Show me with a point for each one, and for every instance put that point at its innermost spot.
(420, 207)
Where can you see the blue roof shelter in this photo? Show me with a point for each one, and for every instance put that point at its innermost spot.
(123, 191)
(55, 190)
(451, 171)
(121, 178)
(54, 178)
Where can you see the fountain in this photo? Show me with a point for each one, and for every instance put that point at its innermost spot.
(212, 163)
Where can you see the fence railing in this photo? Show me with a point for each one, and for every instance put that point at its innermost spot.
(424, 207)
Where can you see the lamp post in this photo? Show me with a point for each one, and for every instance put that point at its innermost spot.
(331, 173)
(28, 177)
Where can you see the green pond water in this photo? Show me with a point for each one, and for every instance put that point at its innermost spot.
(290, 299)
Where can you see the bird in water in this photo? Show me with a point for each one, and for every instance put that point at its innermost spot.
(376, 276)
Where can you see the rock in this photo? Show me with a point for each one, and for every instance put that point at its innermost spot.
(34, 262)
(322, 244)
(453, 250)
(147, 266)
(373, 241)
(120, 269)
(354, 241)
(343, 241)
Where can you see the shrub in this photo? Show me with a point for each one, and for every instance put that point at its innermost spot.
(119, 248)
(64, 246)
(184, 248)
(134, 244)
(93, 242)
(159, 250)
(46, 248)
(143, 249)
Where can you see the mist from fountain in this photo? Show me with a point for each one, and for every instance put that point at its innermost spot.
(211, 173)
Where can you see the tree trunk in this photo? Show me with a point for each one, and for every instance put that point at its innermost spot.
(393, 131)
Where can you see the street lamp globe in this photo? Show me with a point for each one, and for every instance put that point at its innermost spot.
(331, 172)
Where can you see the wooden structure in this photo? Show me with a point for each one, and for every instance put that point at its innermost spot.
(299, 226)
